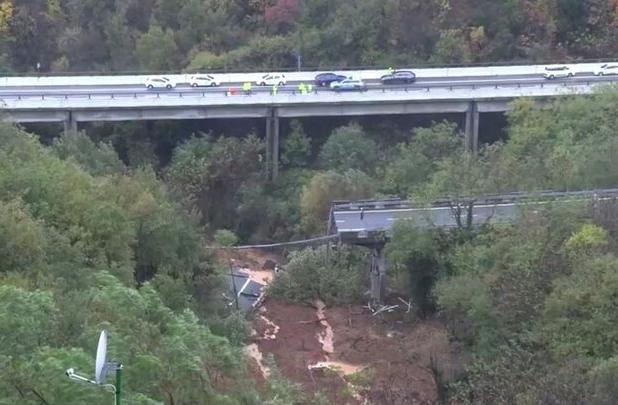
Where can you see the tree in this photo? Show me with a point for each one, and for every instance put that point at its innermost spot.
(157, 50)
(226, 238)
(348, 148)
(580, 310)
(412, 252)
(326, 187)
(282, 15)
(296, 147)
(452, 47)
(415, 161)
(6, 13)
(604, 387)
(314, 274)
(210, 174)
(98, 159)
(28, 321)
(22, 239)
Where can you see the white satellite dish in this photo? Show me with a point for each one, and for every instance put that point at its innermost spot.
(100, 365)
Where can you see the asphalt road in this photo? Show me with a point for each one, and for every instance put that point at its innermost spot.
(442, 217)
(444, 82)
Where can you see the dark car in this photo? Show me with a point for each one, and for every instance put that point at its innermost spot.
(399, 77)
(325, 79)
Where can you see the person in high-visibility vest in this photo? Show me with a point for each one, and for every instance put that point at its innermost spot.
(389, 71)
(309, 88)
(274, 90)
(301, 88)
(246, 87)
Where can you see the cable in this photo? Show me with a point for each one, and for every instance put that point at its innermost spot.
(272, 245)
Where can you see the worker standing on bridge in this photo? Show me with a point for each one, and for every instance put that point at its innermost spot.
(274, 90)
(309, 88)
(301, 88)
(389, 71)
(246, 87)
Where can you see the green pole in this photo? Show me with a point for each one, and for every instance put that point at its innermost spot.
(118, 383)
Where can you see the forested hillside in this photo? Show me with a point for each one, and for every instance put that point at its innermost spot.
(75, 241)
(154, 35)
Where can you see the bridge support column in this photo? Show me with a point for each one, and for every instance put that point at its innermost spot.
(472, 128)
(70, 125)
(272, 144)
(377, 274)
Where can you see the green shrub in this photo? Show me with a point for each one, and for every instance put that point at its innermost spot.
(335, 277)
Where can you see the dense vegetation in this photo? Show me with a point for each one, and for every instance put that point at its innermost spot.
(533, 303)
(113, 35)
(87, 244)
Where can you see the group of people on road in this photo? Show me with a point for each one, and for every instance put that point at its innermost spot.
(303, 88)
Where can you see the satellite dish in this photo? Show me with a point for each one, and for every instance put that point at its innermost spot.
(99, 368)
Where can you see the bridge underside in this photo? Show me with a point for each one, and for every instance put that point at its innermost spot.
(271, 113)
(227, 112)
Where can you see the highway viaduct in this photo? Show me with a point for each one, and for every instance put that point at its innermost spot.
(466, 91)
(369, 223)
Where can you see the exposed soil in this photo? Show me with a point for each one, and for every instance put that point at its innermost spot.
(347, 353)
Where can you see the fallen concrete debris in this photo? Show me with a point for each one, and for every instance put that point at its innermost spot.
(385, 308)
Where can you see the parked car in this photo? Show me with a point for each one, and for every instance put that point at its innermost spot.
(348, 84)
(203, 81)
(607, 69)
(325, 79)
(399, 77)
(272, 79)
(159, 82)
(558, 71)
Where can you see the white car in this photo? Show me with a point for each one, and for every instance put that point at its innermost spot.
(554, 72)
(607, 69)
(204, 81)
(159, 82)
(272, 79)
(348, 84)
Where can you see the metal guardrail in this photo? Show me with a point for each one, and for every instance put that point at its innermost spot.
(491, 199)
(370, 204)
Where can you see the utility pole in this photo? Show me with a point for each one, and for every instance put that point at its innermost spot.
(118, 387)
